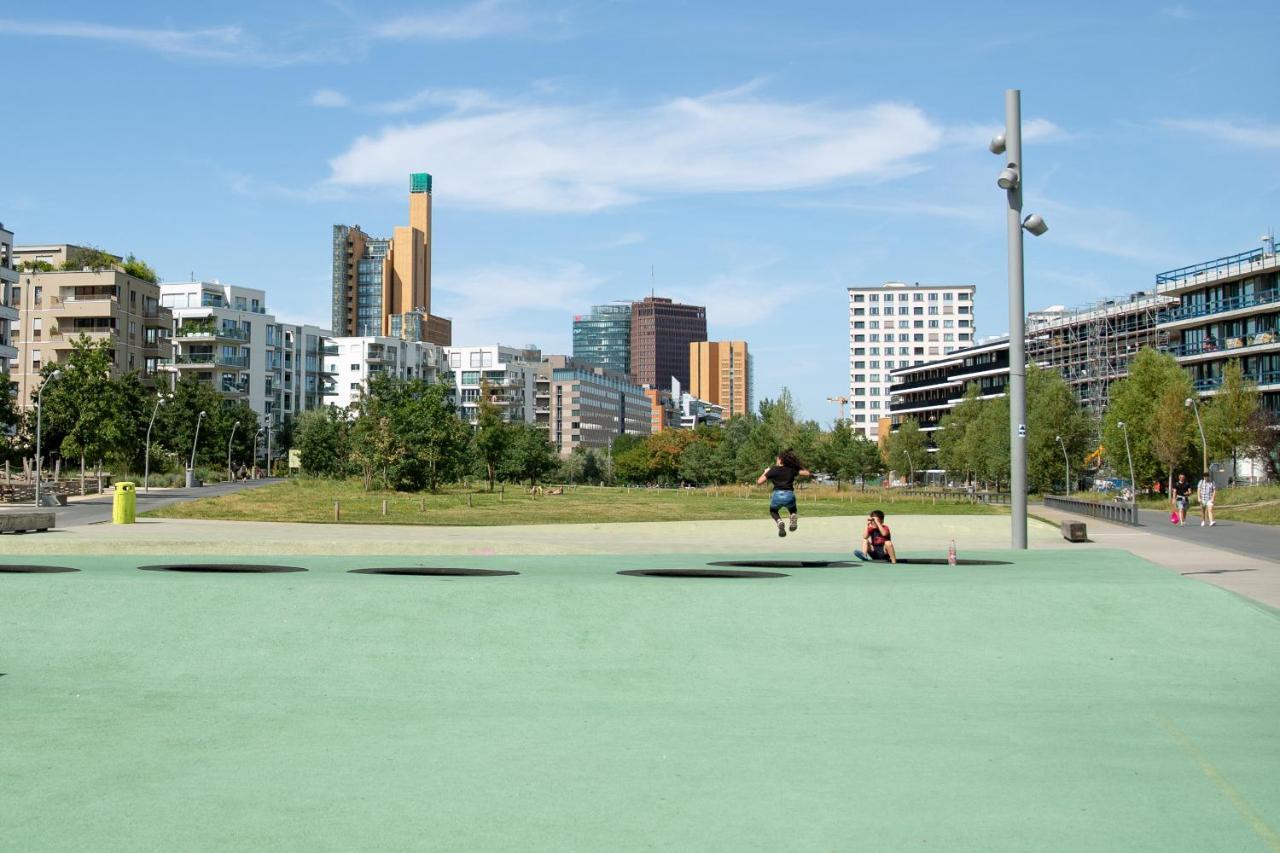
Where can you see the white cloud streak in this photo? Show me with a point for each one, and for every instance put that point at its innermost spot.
(480, 19)
(330, 98)
(579, 158)
(1248, 135)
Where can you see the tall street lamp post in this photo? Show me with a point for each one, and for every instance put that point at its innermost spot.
(1010, 180)
(256, 436)
(1204, 446)
(234, 426)
(39, 418)
(911, 468)
(1133, 482)
(191, 468)
(1067, 460)
(146, 464)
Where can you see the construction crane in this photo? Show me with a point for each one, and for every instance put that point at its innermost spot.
(843, 401)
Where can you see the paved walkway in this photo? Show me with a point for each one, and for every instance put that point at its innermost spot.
(96, 509)
(1213, 555)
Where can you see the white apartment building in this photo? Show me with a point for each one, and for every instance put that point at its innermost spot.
(511, 374)
(307, 383)
(8, 313)
(897, 325)
(350, 362)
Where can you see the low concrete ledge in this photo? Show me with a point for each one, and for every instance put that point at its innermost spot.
(22, 522)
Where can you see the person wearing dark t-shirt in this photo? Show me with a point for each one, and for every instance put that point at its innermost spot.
(1181, 497)
(877, 540)
(782, 474)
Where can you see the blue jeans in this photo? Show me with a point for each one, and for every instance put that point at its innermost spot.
(783, 499)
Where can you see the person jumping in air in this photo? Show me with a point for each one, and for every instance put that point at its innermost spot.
(877, 541)
(783, 475)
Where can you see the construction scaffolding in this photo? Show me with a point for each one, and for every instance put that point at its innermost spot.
(1091, 345)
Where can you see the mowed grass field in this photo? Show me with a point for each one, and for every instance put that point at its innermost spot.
(314, 500)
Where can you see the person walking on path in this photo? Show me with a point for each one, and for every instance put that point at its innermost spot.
(1206, 492)
(1181, 497)
(782, 475)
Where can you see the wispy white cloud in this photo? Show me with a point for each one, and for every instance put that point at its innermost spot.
(515, 305)
(537, 156)
(630, 238)
(328, 98)
(1033, 130)
(1104, 230)
(1247, 134)
(739, 300)
(479, 19)
(459, 100)
(1181, 11)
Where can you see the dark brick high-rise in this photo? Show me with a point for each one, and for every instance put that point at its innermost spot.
(661, 331)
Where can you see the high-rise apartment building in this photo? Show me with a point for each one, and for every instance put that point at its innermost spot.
(661, 331)
(56, 307)
(379, 279)
(720, 373)
(603, 337)
(508, 374)
(899, 325)
(353, 361)
(8, 314)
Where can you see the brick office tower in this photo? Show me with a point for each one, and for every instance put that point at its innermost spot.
(661, 331)
(382, 286)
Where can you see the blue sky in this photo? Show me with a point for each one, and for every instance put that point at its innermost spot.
(755, 157)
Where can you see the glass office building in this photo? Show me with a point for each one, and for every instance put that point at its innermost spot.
(603, 337)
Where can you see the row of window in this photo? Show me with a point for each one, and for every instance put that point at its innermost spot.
(914, 297)
(904, 311)
(918, 324)
(874, 337)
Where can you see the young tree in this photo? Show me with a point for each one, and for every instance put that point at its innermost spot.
(1231, 418)
(140, 269)
(1053, 412)
(492, 436)
(1132, 401)
(1171, 429)
(80, 402)
(906, 450)
(989, 442)
(957, 436)
(532, 455)
(665, 451)
(322, 441)
(435, 439)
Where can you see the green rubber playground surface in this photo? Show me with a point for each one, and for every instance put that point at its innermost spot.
(1057, 703)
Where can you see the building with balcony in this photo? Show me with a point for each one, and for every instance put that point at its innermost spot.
(509, 374)
(377, 279)
(1225, 309)
(603, 338)
(8, 314)
(57, 307)
(306, 382)
(350, 362)
(898, 325)
(720, 374)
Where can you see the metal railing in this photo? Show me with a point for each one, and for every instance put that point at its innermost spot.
(962, 495)
(210, 358)
(1222, 266)
(1265, 377)
(1121, 512)
(1231, 343)
(1220, 306)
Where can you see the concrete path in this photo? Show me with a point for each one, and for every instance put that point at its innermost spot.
(1194, 552)
(96, 509)
(1252, 540)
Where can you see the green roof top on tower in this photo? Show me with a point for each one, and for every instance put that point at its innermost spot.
(419, 182)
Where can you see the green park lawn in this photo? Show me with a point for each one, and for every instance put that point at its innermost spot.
(308, 500)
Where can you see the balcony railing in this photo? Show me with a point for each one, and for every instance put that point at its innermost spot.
(1221, 306)
(205, 332)
(1265, 377)
(1222, 266)
(1227, 345)
(212, 358)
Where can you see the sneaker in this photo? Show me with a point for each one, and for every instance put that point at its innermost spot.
(1212, 523)
(794, 521)
(1202, 524)
(782, 529)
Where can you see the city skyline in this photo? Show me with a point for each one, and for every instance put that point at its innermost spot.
(564, 179)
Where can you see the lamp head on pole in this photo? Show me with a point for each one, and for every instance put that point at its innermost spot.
(996, 145)
(1035, 224)
(1008, 179)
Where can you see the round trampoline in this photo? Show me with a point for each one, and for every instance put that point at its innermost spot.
(699, 573)
(783, 564)
(19, 569)
(224, 568)
(432, 571)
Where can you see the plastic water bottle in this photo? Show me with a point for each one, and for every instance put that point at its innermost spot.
(951, 553)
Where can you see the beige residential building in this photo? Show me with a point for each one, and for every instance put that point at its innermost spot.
(55, 308)
(720, 374)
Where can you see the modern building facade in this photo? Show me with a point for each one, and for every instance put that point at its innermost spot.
(720, 374)
(307, 382)
(508, 374)
(8, 314)
(377, 279)
(661, 331)
(56, 307)
(350, 362)
(590, 407)
(898, 325)
(603, 337)
(1227, 309)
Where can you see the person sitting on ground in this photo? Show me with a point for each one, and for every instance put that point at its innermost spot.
(877, 541)
(783, 474)
(1181, 497)
(1207, 491)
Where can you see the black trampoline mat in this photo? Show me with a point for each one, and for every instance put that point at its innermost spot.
(432, 571)
(216, 568)
(783, 564)
(18, 569)
(699, 573)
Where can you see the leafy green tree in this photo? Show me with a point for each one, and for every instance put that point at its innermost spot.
(906, 450)
(630, 459)
(990, 444)
(1053, 411)
(80, 407)
(1170, 429)
(321, 437)
(140, 269)
(531, 456)
(698, 464)
(1132, 401)
(493, 436)
(436, 440)
(957, 436)
(592, 470)
(92, 257)
(1232, 417)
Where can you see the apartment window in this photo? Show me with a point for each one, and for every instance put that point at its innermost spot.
(918, 338)
(16, 302)
(933, 350)
(964, 324)
(858, 312)
(933, 309)
(859, 338)
(860, 418)
(36, 323)
(858, 365)
(35, 360)
(874, 310)
(455, 359)
(917, 311)
(859, 377)
(857, 297)
(933, 297)
(918, 297)
(859, 404)
(946, 297)
(875, 365)
(875, 404)
(875, 337)
(875, 324)
(964, 336)
(859, 324)
(918, 324)
(948, 337)
(902, 309)
(948, 324)
(875, 350)
(963, 309)
(355, 367)
(861, 351)
(964, 297)
(933, 324)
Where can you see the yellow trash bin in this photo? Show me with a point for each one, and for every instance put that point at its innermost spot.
(124, 508)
